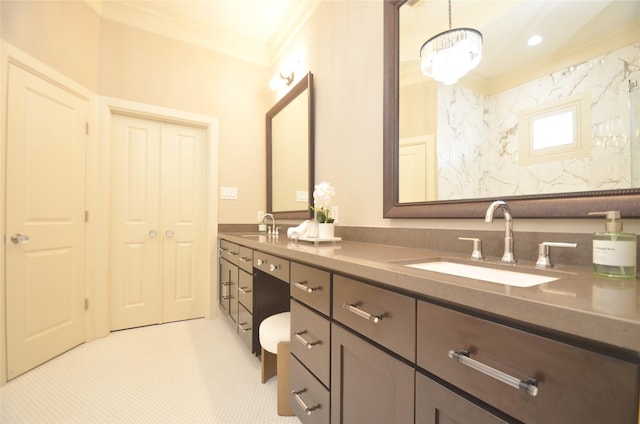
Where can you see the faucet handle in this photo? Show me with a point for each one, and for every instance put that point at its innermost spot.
(544, 252)
(477, 248)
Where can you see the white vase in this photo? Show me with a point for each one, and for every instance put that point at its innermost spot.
(326, 231)
(312, 229)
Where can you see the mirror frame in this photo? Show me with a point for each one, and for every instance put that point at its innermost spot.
(306, 83)
(557, 205)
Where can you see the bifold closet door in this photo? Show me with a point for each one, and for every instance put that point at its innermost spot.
(157, 215)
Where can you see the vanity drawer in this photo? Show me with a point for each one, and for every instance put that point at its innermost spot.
(309, 398)
(311, 286)
(383, 316)
(229, 251)
(272, 265)
(245, 289)
(245, 258)
(311, 340)
(574, 384)
(245, 330)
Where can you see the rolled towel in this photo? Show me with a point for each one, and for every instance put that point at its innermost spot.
(297, 232)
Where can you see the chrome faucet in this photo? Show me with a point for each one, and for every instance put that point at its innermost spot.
(273, 223)
(508, 256)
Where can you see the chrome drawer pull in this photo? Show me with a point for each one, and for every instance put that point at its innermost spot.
(302, 285)
(363, 314)
(308, 409)
(261, 262)
(227, 283)
(228, 297)
(274, 267)
(530, 385)
(305, 342)
(244, 290)
(233, 253)
(244, 259)
(244, 330)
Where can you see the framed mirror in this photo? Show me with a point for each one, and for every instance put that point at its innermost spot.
(466, 163)
(290, 152)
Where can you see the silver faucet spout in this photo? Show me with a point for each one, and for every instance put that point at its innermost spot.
(508, 256)
(273, 222)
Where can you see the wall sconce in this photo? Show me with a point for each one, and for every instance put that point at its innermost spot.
(281, 79)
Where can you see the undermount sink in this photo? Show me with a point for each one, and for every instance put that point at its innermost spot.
(484, 273)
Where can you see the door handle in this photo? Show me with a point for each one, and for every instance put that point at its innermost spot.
(168, 233)
(153, 234)
(18, 238)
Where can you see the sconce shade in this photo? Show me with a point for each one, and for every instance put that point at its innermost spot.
(451, 54)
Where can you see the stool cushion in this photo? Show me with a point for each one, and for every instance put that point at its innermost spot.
(275, 329)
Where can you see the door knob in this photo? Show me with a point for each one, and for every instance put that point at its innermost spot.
(153, 234)
(168, 233)
(19, 238)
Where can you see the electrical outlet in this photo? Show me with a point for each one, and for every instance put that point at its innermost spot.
(334, 213)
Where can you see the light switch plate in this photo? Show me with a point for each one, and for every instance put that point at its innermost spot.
(302, 196)
(229, 193)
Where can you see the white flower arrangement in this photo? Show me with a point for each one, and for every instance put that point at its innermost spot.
(322, 196)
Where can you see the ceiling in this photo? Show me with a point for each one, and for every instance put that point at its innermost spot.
(258, 30)
(566, 26)
(252, 30)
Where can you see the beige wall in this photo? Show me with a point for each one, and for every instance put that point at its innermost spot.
(144, 67)
(118, 61)
(62, 34)
(341, 44)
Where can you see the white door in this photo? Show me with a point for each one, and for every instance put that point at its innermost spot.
(418, 165)
(182, 222)
(158, 242)
(44, 244)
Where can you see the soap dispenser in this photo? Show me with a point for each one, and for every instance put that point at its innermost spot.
(614, 252)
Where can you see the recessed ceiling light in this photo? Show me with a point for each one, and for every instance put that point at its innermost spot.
(534, 41)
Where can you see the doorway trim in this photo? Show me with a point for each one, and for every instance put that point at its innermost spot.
(98, 197)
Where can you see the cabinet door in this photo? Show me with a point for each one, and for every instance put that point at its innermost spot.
(367, 384)
(224, 286)
(233, 293)
(436, 404)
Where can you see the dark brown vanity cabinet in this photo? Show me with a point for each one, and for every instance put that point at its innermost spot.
(555, 382)
(365, 353)
(245, 307)
(310, 343)
(436, 404)
(367, 384)
(270, 291)
(228, 280)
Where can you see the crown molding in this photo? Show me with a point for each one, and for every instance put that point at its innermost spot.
(261, 52)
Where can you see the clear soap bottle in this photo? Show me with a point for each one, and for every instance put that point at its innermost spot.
(614, 252)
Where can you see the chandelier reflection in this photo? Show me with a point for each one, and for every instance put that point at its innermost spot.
(450, 55)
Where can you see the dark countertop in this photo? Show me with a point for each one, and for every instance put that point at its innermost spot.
(579, 304)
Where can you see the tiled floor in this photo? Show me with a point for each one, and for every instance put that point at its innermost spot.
(185, 372)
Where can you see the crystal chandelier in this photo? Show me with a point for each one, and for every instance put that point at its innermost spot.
(451, 54)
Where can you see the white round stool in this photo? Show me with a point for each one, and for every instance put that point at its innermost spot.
(275, 335)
